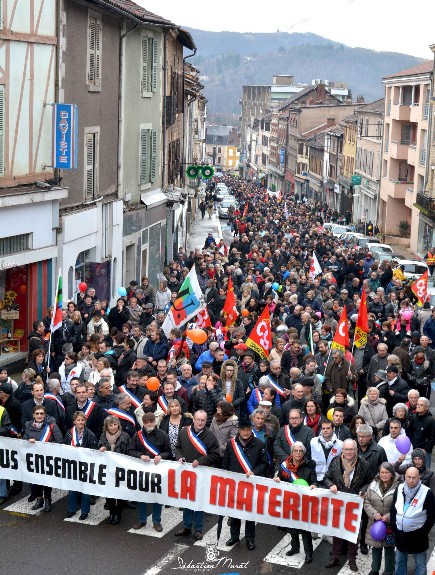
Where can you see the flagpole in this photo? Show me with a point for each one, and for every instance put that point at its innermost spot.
(311, 337)
(53, 313)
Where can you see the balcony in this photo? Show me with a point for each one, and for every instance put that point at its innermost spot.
(412, 155)
(425, 204)
(394, 188)
(401, 113)
(398, 150)
(415, 115)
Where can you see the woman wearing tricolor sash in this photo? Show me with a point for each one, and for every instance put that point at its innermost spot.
(79, 436)
(41, 428)
(298, 466)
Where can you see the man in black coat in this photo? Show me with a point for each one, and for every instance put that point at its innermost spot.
(51, 407)
(397, 388)
(12, 406)
(288, 434)
(150, 443)
(93, 412)
(350, 474)
(421, 430)
(256, 463)
(125, 361)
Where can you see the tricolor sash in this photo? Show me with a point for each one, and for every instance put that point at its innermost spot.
(134, 399)
(88, 407)
(115, 411)
(289, 436)
(195, 441)
(75, 441)
(148, 446)
(163, 402)
(54, 398)
(293, 476)
(277, 387)
(46, 433)
(13, 432)
(258, 394)
(241, 457)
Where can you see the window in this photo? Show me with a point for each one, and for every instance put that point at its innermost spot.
(2, 127)
(15, 244)
(148, 155)
(149, 66)
(94, 50)
(92, 155)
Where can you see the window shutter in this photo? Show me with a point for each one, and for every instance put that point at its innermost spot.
(90, 165)
(2, 129)
(98, 46)
(144, 153)
(96, 163)
(144, 82)
(92, 43)
(153, 155)
(154, 73)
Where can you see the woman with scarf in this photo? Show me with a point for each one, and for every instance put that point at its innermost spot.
(115, 440)
(70, 368)
(79, 436)
(41, 428)
(173, 421)
(232, 386)
(38, 364)
(313, 417)
(418, 460)
(373, 409)
(225, 424)
(148, 405)
(377, 504)
(400, 412)
(343, 400)
(298, 466)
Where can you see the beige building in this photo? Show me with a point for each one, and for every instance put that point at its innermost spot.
(404, 156)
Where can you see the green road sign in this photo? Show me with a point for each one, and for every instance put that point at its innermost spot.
(356, 180)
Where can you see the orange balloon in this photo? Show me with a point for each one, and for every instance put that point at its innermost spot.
(153, 383)
(197, 335)
(229, 397)
(245, 312)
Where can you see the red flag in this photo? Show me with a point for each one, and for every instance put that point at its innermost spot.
(341, 336)
(260, 339)
(203, 319)
(229, 308)
(245, 211)
(419, 288)
(362, 323)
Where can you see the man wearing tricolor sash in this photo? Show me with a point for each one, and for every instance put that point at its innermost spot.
(94, 413)
(197, 445)
(122, 410)
(150, 444)
(51, 407)
(288, 434)
(245, 454)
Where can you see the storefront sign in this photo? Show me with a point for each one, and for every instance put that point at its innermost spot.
(9, 314)
(117, 476)
(65, 136)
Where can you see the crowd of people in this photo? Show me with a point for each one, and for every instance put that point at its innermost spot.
(306, 410)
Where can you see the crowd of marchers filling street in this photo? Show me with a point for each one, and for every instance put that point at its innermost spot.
(335, 391)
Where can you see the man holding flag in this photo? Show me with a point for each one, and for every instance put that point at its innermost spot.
(420, 288)
(340, 373)
(230, 309)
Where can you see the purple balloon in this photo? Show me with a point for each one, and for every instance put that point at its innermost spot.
(378, 531)
(403, 444)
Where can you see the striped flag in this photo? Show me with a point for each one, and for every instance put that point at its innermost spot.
(56, 319)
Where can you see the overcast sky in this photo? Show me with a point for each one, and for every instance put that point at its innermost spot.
(397, 26)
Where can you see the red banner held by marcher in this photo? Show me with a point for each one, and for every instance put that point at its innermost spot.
(260, 339)
(341, 336)
(419, 288)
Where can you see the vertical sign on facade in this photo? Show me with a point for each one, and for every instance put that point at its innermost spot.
(65, 136)
(281, 157)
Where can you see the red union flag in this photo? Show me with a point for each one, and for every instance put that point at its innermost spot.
(229, 309)
(260, 339)
(362, 323)
(203, 319)
(341, 336)
(419, 288)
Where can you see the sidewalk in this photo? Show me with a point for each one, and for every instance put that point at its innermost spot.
(201, 227)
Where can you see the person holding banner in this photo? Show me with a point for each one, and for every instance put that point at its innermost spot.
(150, 444)
(41, 428)
(245, 454)
(79, 436)
(197, 445)
(350, 474)
(298, 466)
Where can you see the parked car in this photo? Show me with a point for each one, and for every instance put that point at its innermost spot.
(224, 206)
(385, 248)
(362, 242)
(338, 230)
(222, 193)
(351, 237)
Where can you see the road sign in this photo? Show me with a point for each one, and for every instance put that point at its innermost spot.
(356, 180)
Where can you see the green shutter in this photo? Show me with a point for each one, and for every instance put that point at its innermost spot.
(2, 130)
(144, 77)
(144, 157)
(153, 155)
(154, 72)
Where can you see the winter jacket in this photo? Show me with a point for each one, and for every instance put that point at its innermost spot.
(348, 407)
(281, 446)
(419, 376)
(254, 452)
(429, 329)
(186, 450)
(51, 409)
(225, 431)
(400, 388)
(376, 363)
(237, 390)
(377, 502)
(421, 431)
(361, 479)
(374, 415)
(118, 318)
(157, 438)
(94, 420)
(162, 298)
(374, 455)
(124, 365)
(36, 341)
(89, 440)
(121, 446)
(339, 375)
(207, 400)
(23, 392)
(31, 432)
(306, 470)
(156, 349)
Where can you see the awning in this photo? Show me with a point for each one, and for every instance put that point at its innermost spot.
(153, 198)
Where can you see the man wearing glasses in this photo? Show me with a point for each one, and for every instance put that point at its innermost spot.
(351, 474)
(289, 434)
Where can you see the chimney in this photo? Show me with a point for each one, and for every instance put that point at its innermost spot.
(330, 122)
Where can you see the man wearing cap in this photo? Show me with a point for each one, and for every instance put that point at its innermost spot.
(197, 445)
(271, 419)
(397, 388)
(378, 361)
(147, 316)
(150, 444)
(240, 350)
(207, 355)
(245, 454)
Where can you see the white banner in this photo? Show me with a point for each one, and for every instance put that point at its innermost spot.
(218, 492)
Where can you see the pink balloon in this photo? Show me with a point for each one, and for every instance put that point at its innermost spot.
(403, 444)
(407, 314)
(222, 345)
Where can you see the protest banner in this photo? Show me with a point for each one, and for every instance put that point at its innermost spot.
(117, 476)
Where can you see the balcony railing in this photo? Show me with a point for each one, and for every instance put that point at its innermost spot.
(426, 112)
(426, 204)
(423, 157)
